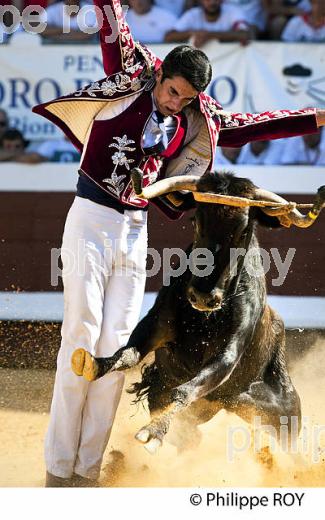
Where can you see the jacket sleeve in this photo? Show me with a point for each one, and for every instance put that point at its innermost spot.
(239, 129)
(118, 46)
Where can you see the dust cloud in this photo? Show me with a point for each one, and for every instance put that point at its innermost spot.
(24, 405)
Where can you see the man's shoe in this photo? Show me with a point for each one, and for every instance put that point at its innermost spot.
(53, 481)
(84, 364)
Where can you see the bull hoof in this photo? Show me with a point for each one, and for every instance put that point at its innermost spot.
(153, 445)
(84, 364)
(143, 436)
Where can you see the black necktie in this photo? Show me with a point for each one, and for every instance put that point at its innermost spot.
(155, 139)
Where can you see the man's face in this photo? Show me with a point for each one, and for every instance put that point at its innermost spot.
(13, 145)
(140, 6)
(173, 94)
(211, 7)
(3, 123)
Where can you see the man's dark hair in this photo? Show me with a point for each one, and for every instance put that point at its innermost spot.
(12, 134)
(189, 63)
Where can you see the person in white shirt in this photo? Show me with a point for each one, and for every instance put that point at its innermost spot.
(253, 10)
(213, 20)
(58, 150)
(262, 152)
(226, 157)
(309, 149)
(82, 22)
(307, 28)
(280, 11)
(149, 23)
(177, 7)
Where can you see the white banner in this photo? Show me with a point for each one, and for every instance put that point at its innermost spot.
(255, 78)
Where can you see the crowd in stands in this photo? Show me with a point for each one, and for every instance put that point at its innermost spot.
(307, 150)
(196, 21)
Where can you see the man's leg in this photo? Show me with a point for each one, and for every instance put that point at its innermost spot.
(85, 281)
(122, 305)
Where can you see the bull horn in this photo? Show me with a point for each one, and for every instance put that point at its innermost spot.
(289, 214)
(177, 183)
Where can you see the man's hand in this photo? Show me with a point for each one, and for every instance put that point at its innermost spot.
(200, 38)
(320, 117)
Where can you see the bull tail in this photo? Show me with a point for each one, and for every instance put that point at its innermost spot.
(150, 377)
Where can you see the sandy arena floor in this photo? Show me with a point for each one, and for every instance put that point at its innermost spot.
(24, 404)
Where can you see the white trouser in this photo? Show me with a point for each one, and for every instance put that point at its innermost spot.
(104, 271)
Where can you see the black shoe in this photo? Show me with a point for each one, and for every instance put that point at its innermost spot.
(53, 481)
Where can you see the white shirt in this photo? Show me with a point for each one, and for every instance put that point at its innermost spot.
(62, 147)
(253, 11)
(296, 152)
(298, 29)
(194, 20)
(152, 26)
(175, 7)
(222, 160)
(56, 16)
(271, 155)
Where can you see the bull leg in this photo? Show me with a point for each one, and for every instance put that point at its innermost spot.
(261, 400)
(184, 432)
(154, 331)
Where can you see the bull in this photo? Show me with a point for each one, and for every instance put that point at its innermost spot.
(217, 343)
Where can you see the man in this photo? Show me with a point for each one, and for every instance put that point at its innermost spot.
(145, 113)
(13, 148)
(262, 152)
(309, 27)
(212, 20)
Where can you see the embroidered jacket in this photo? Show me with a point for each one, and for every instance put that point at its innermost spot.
(130, 69)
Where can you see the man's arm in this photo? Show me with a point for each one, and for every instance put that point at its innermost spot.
(239, 129)
(199, 38)
(115, 37)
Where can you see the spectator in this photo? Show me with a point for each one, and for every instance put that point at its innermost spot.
(149, 23)
(309, 150)
(13, 148)
(227, 156)
(280, 11)
(213, 20)
(262, 152)
(177, 7)
(309, 27)
(4, 124)
(59, 15)
(58, 150)
(253, 10)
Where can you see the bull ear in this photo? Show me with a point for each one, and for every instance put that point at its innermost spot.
(265, 220)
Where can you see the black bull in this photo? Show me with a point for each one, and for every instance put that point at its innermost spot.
(217, 343)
